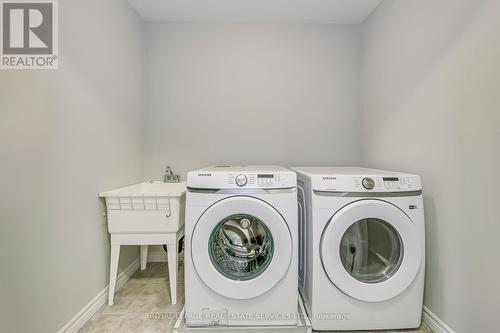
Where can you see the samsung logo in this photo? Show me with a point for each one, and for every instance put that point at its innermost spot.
(204, 175)
(329, 178)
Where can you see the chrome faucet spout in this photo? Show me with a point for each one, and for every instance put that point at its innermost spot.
(168, 171)
(169, 176)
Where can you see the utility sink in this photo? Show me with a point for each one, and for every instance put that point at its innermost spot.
(149, 207)
(144, 214)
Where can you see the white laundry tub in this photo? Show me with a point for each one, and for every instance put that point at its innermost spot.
(146, 214)
(150, 207)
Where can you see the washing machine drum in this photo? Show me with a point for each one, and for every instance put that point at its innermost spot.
(241, 247)
(371, 250)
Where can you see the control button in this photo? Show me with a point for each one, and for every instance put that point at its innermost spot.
(368, 183)
(241, 180)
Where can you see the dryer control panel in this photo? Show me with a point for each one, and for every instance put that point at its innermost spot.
(367, 183)
(251, 177)
(360, 180)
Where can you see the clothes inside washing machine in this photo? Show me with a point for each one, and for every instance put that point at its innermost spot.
(241, 247)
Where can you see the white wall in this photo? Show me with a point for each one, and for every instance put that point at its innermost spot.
(250, 93)
(431, 101)
(65, 135)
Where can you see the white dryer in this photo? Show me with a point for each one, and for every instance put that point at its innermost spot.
(361, 252)
(241, 246)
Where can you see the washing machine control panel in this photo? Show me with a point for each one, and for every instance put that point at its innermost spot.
(243, 177)
(258, 180)
(367, 183)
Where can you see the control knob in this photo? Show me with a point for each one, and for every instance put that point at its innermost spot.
(241, 180)
(368, 183)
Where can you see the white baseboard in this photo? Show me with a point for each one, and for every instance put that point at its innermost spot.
(95, 304)
(434, 323)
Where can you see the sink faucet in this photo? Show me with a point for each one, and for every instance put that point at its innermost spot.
(169, 176)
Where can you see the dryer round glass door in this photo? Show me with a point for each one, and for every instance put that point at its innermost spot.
(370, 250)
(241, 247)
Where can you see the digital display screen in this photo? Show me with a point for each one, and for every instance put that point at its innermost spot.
(391, 179)
(265, 176)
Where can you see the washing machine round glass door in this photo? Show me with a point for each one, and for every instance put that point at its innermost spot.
(241, 247)
(371, 250)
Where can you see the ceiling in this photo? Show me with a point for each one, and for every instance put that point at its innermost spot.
(281, 11)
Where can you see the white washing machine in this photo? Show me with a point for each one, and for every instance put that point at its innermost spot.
(241, 246)
(361, 252)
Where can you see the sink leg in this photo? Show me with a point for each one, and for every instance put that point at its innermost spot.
(172, 271)
(144, 256)
(113, 269)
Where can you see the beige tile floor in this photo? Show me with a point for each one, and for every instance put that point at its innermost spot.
(143, 305)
